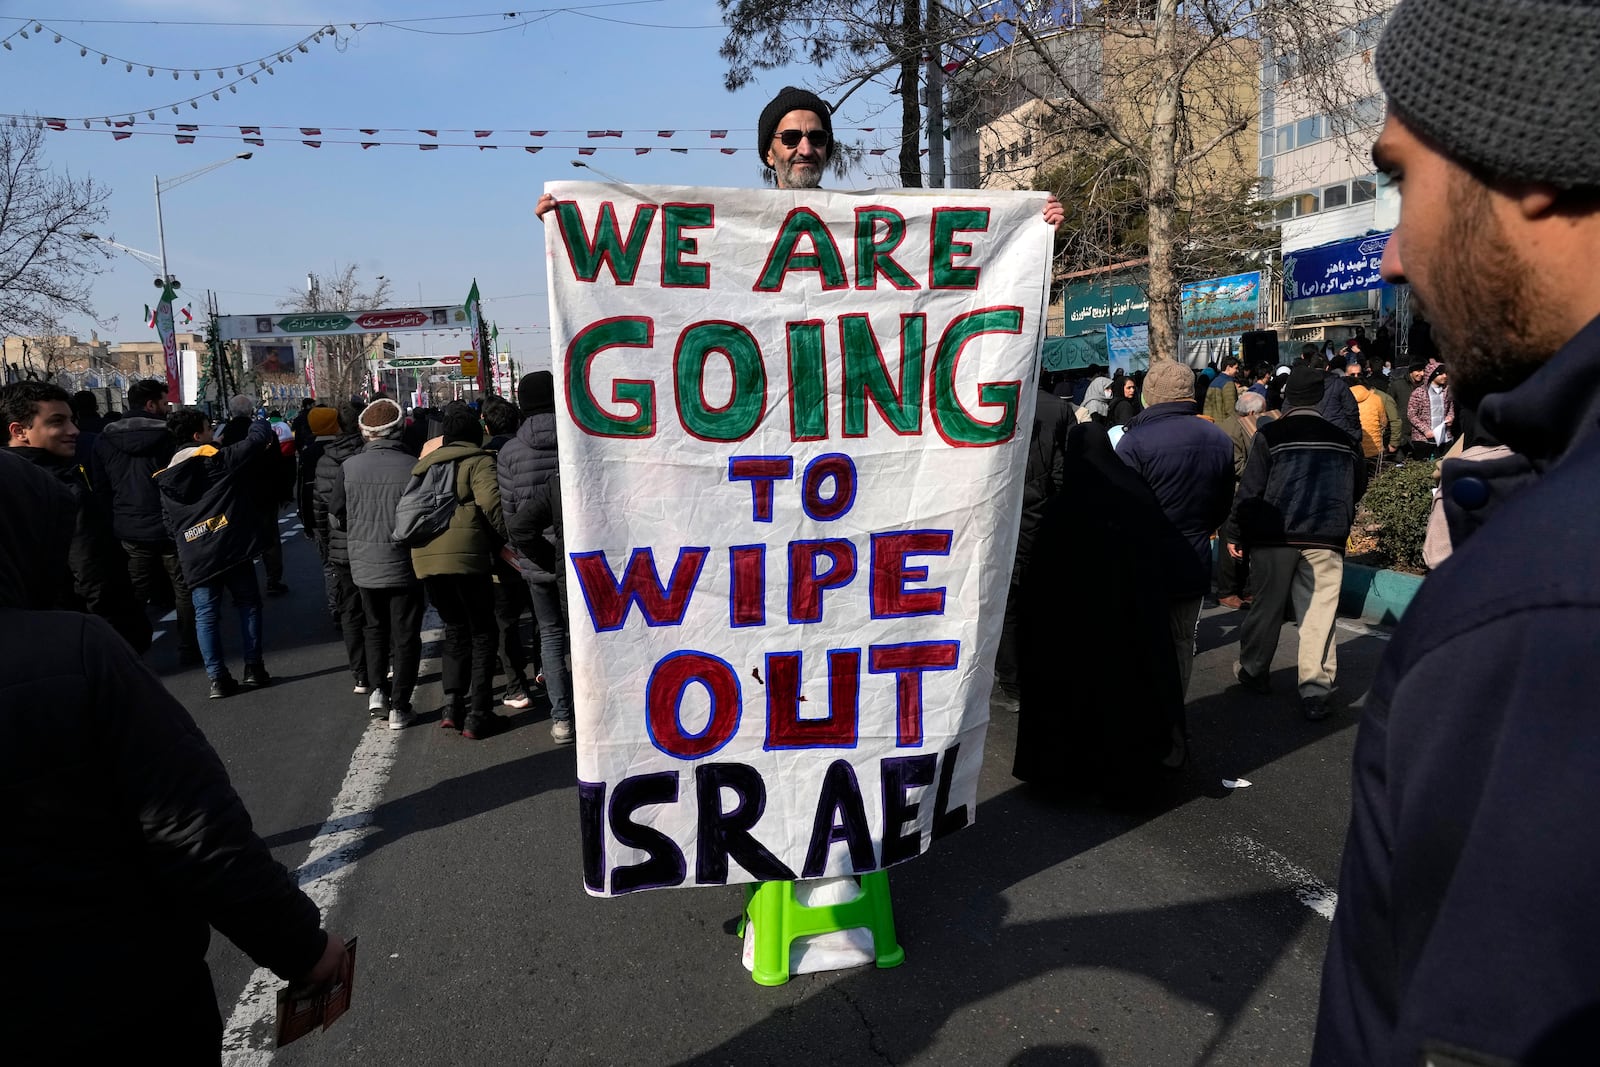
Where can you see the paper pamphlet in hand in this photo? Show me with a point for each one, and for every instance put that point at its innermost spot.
(793, 427)
(303, 1008)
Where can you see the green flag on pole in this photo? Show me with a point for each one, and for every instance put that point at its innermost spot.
(472, 297)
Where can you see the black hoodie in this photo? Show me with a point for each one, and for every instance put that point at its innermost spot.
(210, 501)
(129, 453)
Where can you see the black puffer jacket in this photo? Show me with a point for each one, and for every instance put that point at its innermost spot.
(100, 581)
(210, 498)
(133, 843)
(334, 453)
(129, 453)
(524, 466)
(366, 491)
(130, 836)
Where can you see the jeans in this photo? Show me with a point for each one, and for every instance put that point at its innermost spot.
(240, 582)
(510, 604)
(552, 620)
(394, 628)
(153, 567)
(465, 603)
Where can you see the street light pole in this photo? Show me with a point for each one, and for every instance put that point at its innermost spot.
(161, 234)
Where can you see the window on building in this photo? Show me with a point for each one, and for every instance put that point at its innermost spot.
(1269, 109)
(1307, 204)
(1309, 130)
(1027, 146)
(1285, 211)
(1286, 137)
(1266, 188)
(1369, 110)
(1363, 190)
(1335, 196)
(1269, 144)
(1268, 167)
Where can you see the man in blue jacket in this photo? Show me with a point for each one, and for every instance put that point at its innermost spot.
(1188, 462)
(209, 497)
(1467, 931)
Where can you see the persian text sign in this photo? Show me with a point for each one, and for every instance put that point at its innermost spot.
(295, 324)
(1340, 267)
(793, 427)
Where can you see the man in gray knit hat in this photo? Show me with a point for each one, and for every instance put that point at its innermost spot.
(1467, 931)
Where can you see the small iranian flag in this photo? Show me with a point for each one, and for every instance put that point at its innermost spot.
(149, 317)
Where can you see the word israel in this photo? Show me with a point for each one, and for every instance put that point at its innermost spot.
(792, 430)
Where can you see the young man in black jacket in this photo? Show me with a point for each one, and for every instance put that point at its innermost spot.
(129, 453)
(1296, 503)
(128, 843)
(38, 423)
(352, 620)
(210, 500)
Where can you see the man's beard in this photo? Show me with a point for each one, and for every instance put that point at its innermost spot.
(810, 178)
(1483, 302)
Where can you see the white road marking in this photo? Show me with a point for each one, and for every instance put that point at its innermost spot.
(1305, 885)
(247, 1038)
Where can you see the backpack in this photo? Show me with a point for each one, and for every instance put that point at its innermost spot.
(426, 506)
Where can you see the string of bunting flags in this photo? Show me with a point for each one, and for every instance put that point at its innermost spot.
(249, 70)
(315, 137)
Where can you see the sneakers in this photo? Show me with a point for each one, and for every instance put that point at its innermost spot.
(222, 686)
(479, 724)
(562, 733)
(255, 676)
(377, 704)
(1234, 602)
(516, 696)
(1002, 698)
(452, 714)
(1250, 681)
(1315, 708)
(362, 688)
(400, 718)
(276, 589)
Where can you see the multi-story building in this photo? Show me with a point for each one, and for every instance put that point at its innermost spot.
(1316, 135)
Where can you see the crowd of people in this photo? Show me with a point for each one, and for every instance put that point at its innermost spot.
(174, 510)
(1465, 929)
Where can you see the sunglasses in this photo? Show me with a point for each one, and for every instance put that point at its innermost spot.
(791, 138)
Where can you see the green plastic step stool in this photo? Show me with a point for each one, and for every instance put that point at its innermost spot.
(779, 919)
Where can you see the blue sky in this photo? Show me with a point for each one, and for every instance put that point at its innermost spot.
(433, 219)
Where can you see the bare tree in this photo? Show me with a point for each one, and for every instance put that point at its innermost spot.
(1144, 116)
(45, 264)
(349, 357)
(851, 42)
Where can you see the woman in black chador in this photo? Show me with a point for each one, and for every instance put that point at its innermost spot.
(1102, 706)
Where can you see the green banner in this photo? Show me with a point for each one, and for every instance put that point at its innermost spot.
(334, 323)
(1103, 303)
(395, 362)
(1075, 353)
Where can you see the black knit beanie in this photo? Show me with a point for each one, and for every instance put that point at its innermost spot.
(536, 393)
(790, 99)
(1305, 387)
(1506, 86)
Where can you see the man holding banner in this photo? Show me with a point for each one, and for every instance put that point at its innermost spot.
(790, 504)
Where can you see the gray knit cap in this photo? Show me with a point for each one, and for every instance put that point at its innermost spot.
(1507, 86)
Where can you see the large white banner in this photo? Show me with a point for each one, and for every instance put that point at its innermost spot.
(793, 427)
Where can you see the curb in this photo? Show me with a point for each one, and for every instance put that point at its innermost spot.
(1376, 596)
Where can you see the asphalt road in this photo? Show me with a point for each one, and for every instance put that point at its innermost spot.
(1045, 934)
